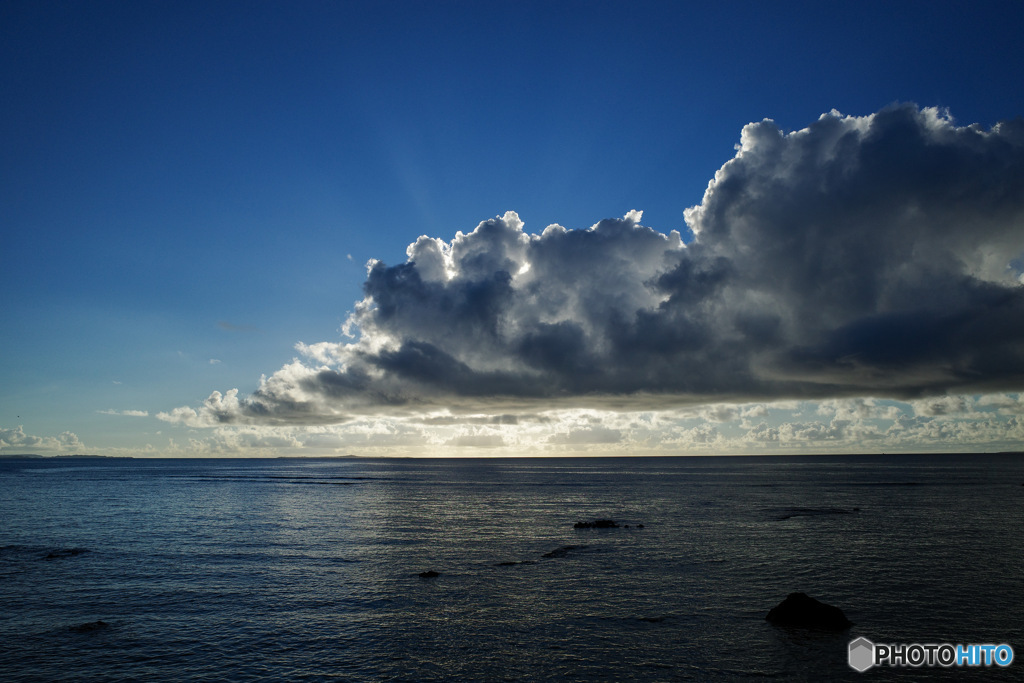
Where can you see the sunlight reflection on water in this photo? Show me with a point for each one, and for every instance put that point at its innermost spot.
(284, 569)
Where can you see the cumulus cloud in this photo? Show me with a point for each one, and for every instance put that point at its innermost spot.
(987, 422)
(15, 440)
(1007, 404)
(860, 256)
(587, 436)
(942, 406)
(720, 413)
(477, 440)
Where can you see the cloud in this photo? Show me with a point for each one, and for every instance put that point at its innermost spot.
(126, 413)
(1006, 404)
(985, 423)
(589, 435)
(942, 406)
(16, 441)
(232, 442)
(860, 256)
(720, 413)
(477, 440)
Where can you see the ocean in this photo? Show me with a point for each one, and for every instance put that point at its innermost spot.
(309, 569)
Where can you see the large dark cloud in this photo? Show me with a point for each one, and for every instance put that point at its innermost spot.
(874, 255)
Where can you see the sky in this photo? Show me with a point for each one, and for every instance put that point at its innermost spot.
(510, 228)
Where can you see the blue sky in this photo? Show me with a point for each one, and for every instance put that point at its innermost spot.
(189, 190)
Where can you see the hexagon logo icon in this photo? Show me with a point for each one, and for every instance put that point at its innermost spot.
(862, 654)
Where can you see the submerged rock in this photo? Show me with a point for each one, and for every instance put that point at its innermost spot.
(814, 512)
(563, 551)
(653, 620)
(89, 627)
(431, 574)
(596, 524)
(64, 552)
(803, 611)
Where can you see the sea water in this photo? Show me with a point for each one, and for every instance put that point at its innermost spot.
(295, 569)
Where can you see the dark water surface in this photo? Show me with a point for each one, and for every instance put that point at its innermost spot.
(309, 569)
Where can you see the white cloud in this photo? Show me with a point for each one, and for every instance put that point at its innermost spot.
(847, 425)
(478, 440)
(859, 409)
(587, 435)
(862, 261)
(16, 441)
(942, 406)
(720, 413)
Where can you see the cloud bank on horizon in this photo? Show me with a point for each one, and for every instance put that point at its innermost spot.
(877, 255)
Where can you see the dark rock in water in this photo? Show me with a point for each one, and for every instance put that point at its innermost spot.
(813, 512)
(653, 620)
(64, 552)
(563, 551)
(639, 526)
(429, 574)
(90, 627)
(596, 524)
(803, 611)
